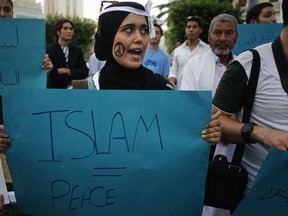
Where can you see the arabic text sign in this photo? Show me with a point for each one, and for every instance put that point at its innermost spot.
(252, 35)
(22, 47)
(270, 191)
(124, 153)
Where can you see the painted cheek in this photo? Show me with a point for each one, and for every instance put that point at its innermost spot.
(119, 49)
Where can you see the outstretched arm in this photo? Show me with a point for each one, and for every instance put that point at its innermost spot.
(231, 132)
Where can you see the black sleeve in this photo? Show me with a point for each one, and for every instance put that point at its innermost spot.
(229, 96)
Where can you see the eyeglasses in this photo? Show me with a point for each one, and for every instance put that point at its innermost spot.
(194, 17)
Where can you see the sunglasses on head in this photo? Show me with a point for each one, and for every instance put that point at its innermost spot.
(194, 17)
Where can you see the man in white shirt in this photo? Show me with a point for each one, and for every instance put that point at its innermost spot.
(203, 72)
(191, 47)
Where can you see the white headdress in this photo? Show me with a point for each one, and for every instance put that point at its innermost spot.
(146, 13)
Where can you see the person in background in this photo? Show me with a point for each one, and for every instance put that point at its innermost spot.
(191, 47)
(261, 13)
(204, 71)
(6, 9)
(67, 58)
(178, 43)
(156, 58)
(95, 64)
(268, 122)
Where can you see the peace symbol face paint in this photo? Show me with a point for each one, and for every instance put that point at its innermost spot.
(119, 49)
(131, 41)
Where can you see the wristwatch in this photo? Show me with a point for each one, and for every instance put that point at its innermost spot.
(170, 86)
(246, 131)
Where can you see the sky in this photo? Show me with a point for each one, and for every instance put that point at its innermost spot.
(92, 7)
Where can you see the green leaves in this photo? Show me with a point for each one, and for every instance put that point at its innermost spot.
(178, 11)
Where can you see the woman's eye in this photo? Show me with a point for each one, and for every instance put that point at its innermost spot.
(128, 30)
(145, 31)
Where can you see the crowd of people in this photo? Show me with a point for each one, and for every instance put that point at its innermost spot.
(128, 56)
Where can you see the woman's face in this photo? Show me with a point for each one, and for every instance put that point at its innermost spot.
(131, 41)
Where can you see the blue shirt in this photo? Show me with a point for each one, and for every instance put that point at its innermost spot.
(157, 61)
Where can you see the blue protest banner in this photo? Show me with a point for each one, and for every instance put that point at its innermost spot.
(269, 194)
(252, 35)
(22, 48)
(121, 153)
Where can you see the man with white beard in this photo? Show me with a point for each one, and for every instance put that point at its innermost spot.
(203, 72)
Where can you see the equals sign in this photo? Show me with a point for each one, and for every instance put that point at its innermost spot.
(108, 171)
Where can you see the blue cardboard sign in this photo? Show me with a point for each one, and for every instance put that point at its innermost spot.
(122, 153)
(22, 48)
(252, 35)
(269, 194)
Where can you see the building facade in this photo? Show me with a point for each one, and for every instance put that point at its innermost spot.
(27, 9)
(64, 7)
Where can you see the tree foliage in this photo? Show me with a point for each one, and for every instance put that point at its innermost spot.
(178, 11)
(83, 33)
